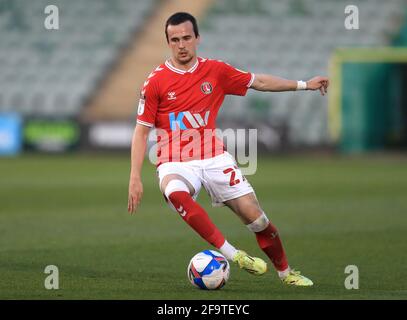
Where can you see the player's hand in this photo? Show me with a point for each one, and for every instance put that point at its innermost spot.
(318, 83)
(135, 195)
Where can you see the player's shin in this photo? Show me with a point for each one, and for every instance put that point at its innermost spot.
(269, 241)
(193, 214)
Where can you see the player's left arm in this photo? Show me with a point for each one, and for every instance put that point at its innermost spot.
(267, 82)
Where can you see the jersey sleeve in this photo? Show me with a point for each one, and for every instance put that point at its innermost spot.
(148, 104)
(235, 81)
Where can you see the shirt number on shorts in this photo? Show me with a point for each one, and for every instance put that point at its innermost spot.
(232, 172)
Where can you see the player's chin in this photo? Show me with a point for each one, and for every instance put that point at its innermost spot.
(184, 58)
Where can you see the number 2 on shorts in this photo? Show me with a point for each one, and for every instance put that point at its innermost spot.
(233, 181)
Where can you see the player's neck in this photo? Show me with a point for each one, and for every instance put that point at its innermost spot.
(184, 67)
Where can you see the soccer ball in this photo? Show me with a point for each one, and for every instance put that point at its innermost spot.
(208, 270)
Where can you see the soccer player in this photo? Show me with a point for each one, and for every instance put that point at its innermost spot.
(181, 99)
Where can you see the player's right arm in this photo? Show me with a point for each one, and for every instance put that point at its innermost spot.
(138, 150)
(146, 113)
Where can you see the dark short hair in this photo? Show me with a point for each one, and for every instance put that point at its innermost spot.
(181, 17)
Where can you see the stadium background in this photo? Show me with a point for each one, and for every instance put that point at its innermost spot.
(331, 172)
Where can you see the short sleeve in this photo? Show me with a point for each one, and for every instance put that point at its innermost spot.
(235, 81)
(148, 103)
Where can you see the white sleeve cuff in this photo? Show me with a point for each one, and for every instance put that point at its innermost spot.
(251, 80)
(147, 124)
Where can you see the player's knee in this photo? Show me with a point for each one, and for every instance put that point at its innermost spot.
(175, 185)
(170, 191)
(259, 224)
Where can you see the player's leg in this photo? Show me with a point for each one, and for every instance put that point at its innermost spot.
(179, 193)
(247, 208)
(222, 180)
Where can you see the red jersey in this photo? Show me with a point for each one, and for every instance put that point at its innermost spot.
(183, 106)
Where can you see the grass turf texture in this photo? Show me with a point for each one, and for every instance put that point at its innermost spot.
(70, 211)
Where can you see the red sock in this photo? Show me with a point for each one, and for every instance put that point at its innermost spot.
(196, 217)
(269, 241)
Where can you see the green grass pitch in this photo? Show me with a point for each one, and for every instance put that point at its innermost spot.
(70, 211)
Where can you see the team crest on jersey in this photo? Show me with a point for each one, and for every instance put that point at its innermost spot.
(206, 87)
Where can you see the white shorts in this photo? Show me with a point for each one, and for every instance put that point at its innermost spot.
(220, 176)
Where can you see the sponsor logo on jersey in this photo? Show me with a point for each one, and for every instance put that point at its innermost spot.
(171, 95)
(206, 87)
(193, 120)
(143, 94)
(141, 104)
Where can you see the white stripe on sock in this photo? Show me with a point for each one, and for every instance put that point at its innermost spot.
(283, 274)
(228, 250)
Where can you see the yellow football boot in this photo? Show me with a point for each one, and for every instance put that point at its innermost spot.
(296, 279)
(252, 265)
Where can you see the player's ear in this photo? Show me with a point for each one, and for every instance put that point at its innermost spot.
(198, 40)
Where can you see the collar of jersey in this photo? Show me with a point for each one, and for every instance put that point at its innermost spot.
(176, 70)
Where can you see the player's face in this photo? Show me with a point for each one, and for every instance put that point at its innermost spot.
(182, 42)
